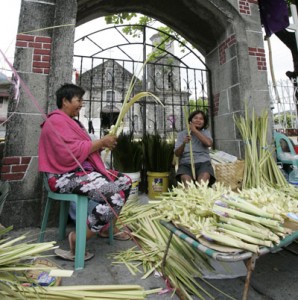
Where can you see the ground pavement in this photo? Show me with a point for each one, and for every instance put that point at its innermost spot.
(275, 276)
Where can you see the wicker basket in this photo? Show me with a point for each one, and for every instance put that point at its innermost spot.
(230, 174)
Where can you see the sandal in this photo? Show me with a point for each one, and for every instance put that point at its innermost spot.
(68, 255)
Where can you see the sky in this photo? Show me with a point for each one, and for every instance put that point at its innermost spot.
(9, 15)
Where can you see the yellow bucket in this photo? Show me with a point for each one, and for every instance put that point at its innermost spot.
(158, 182)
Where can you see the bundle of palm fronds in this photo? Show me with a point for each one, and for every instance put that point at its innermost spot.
(158, 152)
(16, 259)
(183, 265)
(128, 155)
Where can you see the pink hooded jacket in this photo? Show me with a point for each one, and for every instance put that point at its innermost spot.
(61, 136)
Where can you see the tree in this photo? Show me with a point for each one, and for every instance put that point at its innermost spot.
(199, 104)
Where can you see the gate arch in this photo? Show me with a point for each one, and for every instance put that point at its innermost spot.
(227, 32)
(164, 76)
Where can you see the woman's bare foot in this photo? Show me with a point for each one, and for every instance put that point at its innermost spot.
(72, 241)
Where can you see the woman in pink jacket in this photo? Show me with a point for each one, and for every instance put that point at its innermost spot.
(72, 164)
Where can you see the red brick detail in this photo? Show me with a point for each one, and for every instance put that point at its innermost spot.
(43, 39)
(46, 46)
(42, 52)
(25, 159)
(35, 45)
(25, 37)
(231, 40)
(5, 169)
(14, 167)
(215, 104)
(37, 57)
(41, 64)
(45, 58)
(19, 168)
(22, 44)
(259, 53)
(12, 176)
(244, 6)
(41, 46)
(11, 160)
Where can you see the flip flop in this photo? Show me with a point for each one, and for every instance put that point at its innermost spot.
(68, 255)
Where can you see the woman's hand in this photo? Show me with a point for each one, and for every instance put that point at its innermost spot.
(193, 127)
(187, 139)
(109, 141)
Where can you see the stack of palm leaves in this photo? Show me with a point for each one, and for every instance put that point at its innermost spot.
(183, 265)
(158, 153)
(215, 215)
(260, 166)
(16, 259)
(128, 155)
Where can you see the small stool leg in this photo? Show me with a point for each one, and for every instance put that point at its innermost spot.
(81, 231)
(63, 217)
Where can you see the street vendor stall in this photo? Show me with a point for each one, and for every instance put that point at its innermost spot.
(228, 255)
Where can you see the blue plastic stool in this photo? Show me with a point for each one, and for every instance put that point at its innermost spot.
(81, 221)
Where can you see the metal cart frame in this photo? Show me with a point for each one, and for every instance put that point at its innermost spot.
(249, 258)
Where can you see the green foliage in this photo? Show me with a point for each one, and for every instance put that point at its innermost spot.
(128, 155)
(286, 120)
(199, 104)
(167, 34)
(119, 18)
(158, 153)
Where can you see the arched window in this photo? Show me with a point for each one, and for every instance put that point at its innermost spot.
(110, 96)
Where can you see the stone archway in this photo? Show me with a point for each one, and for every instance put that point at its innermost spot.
(228, 33)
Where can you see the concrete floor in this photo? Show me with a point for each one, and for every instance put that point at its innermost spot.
(275, 276)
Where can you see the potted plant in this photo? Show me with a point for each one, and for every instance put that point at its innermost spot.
(128, 158)
(158, 158)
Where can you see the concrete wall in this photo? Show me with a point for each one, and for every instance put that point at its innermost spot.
(43, 60)
(228, 33)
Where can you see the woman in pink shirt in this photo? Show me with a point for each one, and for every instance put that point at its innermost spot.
(72, 164)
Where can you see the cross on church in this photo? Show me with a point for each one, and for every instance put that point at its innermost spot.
(294, 25)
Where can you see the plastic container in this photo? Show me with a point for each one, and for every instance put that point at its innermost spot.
(158, 183)
(136, 179)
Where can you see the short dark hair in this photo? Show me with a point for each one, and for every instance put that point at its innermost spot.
(196, 112)
(68, 91)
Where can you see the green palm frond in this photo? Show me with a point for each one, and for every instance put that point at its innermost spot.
(128, 155)
(158, 153)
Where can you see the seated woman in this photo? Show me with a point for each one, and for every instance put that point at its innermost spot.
(201, 141)
(72, 163)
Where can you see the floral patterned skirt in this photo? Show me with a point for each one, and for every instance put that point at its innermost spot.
(106, 197)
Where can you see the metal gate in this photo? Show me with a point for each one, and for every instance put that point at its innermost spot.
(107, 70)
